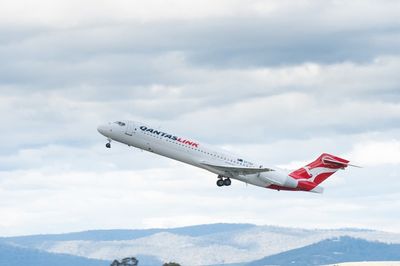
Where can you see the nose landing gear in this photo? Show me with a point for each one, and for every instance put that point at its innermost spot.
(108, 145)
(223, 182)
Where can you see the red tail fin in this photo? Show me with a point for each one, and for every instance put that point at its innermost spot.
(320, 169)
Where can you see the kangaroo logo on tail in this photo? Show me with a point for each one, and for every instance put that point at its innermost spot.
(320, 169)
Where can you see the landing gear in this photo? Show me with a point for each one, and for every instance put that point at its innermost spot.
(108, 145)
(220, 182)
(223, 182)
(227, 182)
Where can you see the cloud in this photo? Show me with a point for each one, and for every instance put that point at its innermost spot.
(304, 101)
(87, 200)
(373, 153)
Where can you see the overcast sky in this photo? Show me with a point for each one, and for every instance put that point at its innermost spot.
(279, 82)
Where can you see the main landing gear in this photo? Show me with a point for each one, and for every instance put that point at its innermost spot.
(108, 145)
(223, 182)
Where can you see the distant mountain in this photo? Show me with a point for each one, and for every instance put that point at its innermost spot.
(343, 249)
(211, 244)
(126, 234)
(16, 256)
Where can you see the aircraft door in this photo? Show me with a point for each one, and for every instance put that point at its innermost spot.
(130, 128)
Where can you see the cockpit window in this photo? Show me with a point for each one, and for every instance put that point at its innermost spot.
(120, 123)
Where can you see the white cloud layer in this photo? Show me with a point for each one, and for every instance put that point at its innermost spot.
(372, 153)
(276, 81)
(71, 13)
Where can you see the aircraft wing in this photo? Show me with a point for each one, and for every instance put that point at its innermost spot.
(238, 170)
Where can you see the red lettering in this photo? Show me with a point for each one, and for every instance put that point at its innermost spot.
(185, 141)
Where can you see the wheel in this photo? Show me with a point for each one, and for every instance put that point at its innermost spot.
(108, 145)
(227, 182)
(220, 182)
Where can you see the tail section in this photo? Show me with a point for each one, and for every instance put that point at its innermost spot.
(316, 172)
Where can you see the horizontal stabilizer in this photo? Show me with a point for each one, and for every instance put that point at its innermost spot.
(318, 189)
(238, 170)
(353, 165)
(328, 160)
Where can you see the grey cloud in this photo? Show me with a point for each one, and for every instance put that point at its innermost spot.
(291, 115)
(127, 53)
(311, 100)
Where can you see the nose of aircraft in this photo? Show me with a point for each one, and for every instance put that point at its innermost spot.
(103, 129)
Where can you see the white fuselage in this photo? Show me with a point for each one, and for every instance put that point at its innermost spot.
(192, 152)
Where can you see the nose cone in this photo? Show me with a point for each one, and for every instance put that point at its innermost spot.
(103, 129)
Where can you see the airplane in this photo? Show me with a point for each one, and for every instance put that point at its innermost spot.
(224, 164)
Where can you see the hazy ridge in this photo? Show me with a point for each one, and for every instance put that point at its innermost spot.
(211, 244)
